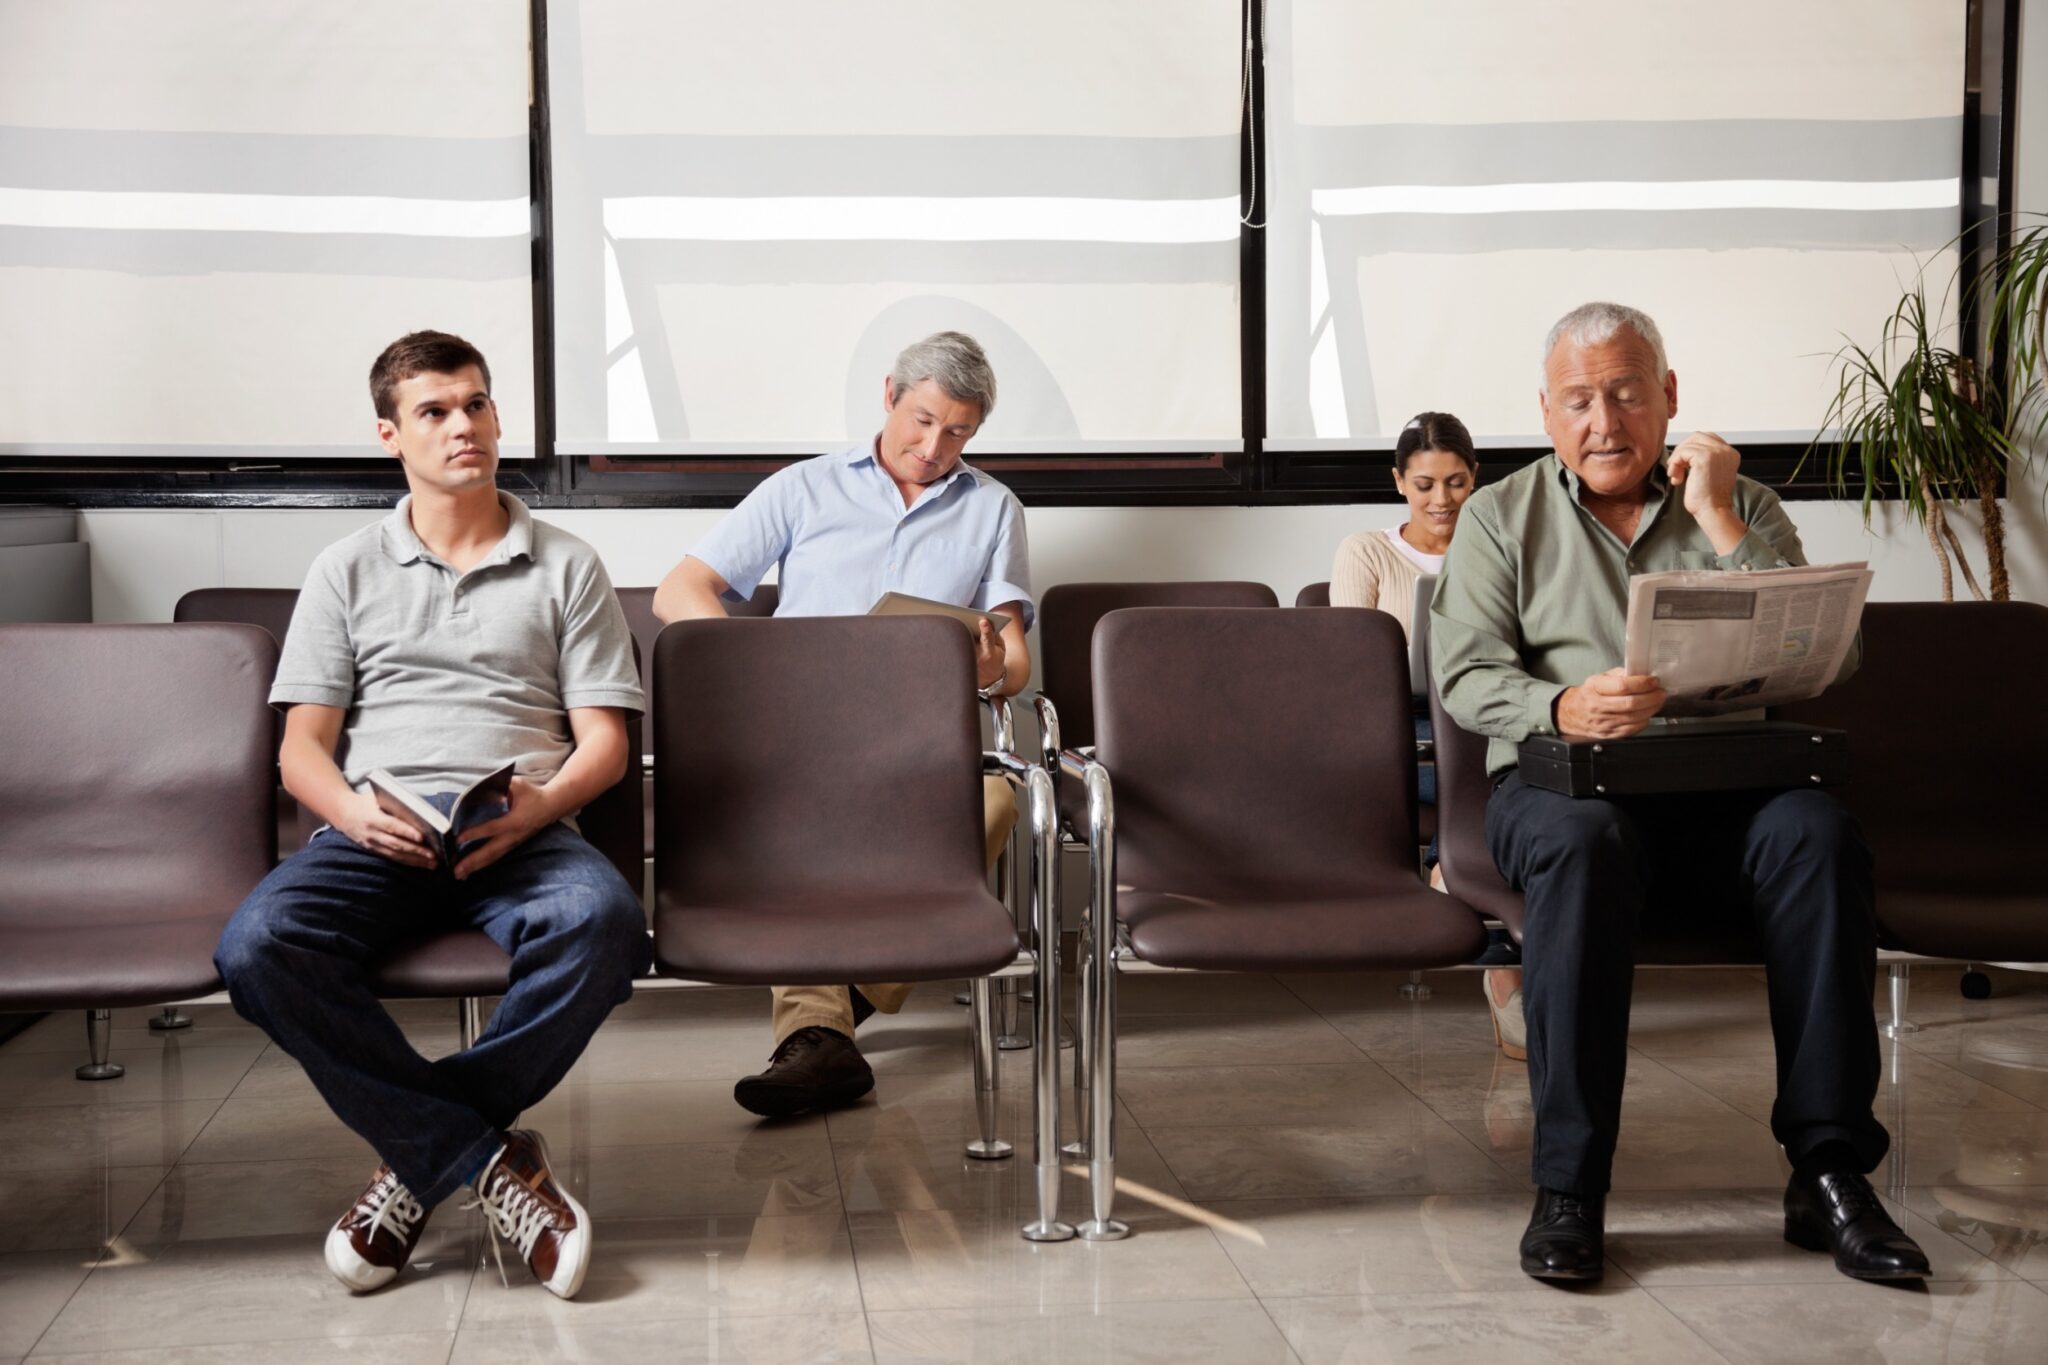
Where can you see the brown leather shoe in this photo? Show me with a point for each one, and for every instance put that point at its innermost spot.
(524, 1206)
(812, 1069)
(376, 1237)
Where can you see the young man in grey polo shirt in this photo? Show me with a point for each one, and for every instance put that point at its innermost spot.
(899, 512)
(452, 638)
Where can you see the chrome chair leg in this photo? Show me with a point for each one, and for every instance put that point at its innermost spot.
(1045, 1089)
(1901, 983)
(1415, 988)
(1101, 1038)
(1009, 1039)
(469, 1020)
(170, 1019)
(1084, 959)
(99, 1040)
(987, 1076)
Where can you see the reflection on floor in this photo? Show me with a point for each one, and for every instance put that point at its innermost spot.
(1356, 1162)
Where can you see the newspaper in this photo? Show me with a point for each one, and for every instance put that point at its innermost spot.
(1734, 641)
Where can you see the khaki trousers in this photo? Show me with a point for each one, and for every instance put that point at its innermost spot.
(832, 1006)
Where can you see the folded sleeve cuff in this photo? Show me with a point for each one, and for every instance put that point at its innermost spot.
(285, 694)
(997, 591)
(1752, 552)
(1541, 713)
(623, 698)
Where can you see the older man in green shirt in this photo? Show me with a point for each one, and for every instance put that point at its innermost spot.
(1526, 632)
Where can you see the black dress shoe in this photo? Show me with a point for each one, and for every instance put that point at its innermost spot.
(1565, 1238)
(1838, 1212)
(812, 1069)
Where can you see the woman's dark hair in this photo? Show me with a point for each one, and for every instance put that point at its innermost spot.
(1435, 431)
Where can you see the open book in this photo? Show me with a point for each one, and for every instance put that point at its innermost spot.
(903, 604)
(484, 799)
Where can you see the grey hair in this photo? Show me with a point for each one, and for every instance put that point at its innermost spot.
(1589, 324)
(952, 360)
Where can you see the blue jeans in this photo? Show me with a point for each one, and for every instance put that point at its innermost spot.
(295, 960)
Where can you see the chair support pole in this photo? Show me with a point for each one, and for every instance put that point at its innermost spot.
(1901, 986)
(469, 1020)
(1084, 1047)
(982, 1035)
(1099, 1035)
(1045, 1089)
(99, 1039)
(171, 1018)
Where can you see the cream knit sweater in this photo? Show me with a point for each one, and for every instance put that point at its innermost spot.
(1371, 572)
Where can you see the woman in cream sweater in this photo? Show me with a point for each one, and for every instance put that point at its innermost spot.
(1436, 469)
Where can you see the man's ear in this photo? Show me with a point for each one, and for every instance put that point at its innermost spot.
(888, 394)
(387, 436)
(1671, 393)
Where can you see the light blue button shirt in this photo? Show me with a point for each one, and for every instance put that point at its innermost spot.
(838, 527)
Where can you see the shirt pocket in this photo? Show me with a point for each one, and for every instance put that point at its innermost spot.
(942, 569)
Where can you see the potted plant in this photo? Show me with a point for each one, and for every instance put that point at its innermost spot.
(1920, 420)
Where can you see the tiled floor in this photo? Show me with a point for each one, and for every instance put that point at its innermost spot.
(1355, 1164)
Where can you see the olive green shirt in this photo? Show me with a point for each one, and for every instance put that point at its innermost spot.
(1534, 593)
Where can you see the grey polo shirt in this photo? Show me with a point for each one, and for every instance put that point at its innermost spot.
(448, 676)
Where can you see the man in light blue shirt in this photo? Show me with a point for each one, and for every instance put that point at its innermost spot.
(897, 513)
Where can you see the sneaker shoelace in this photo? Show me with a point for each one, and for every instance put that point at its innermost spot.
(512, 1212)
(388, 1206)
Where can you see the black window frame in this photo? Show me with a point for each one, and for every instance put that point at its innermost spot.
(1252, 476)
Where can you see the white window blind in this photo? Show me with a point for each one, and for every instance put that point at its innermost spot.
(215, 213)
(756, 206)
(1446, 180)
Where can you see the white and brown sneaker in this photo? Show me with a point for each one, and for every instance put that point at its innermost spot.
(376, 1237)
(524, 1206)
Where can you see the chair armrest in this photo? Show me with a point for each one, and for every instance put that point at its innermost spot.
(1002, 724)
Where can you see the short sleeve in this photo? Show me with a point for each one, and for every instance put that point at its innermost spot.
(318, 662)
(1007, 575)
(597, 645)
(754, 536)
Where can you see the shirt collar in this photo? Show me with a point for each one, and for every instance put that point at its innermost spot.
(1660, 479)
(868, 452)
(402, 543)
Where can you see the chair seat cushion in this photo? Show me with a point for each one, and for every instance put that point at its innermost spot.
(1977, 926)
(919, 938)
(446, 966)
(61, 967)
(1397, 928)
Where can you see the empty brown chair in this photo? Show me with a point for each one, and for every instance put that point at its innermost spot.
(1318, 595)
(1314, 595)
(270, 608)
(1262, 816)
(1945, 755)
(136, 812)
(820, 822)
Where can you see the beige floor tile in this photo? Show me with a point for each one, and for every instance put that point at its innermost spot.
(895, 1169)
(1434, 1243)
(2014, 1062)
(1989, 1321)
(1737, 1237)
(715, 1339)
(712, 1051)
(1197, 993)
(945, 1102)
(1229, 1333)
(64, 1032)
(1919, 1083)
(1406, 1150)
(1686, 1152)
(768, 1177)
(90, 1136)
(257, 1289)
(922, 1042)
(1492, 1087)
(658, 1113)
(1573, 1327)
(220, 1201)
(302, 1127)
(1213, 1040)
(75, 1211)
(1354, 992)
(1255, 1096)
(402, 1348)
(2007, 1223)
(1398, 1034)
(166, 1073)
(34, 1287)
(967, 1259)
(1938, 1148)
(1677, 1035)
(657, 1270)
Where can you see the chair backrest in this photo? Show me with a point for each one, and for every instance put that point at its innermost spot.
(270, 608)
(1945, 752)
(1066, 629)
(1314, 595)
(815, 758)
(1255, 751)
(139, 771)
(615, 822)
(1462, 790)
(638, 604)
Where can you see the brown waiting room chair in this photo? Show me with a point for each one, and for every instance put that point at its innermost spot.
(1314, 595)
(136, 812)
(1318, 595)
(1251, 807)
(1946, 752)
(270, 608)
(819, 818)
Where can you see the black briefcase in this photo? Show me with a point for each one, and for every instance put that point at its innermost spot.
(1770, 754)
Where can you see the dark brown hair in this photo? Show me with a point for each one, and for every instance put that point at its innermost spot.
(420, 353)
(1435, 431)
